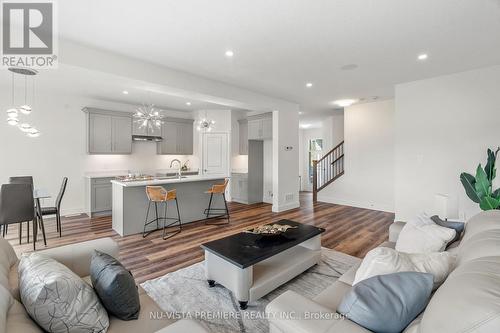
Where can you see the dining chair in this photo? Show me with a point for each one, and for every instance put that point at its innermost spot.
(56, 210)
(16, 205)
(21, 180)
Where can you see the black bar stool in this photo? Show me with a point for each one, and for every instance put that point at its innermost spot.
(217, 213)
(157, 195)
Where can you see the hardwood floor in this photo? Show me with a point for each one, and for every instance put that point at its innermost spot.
(351, 230)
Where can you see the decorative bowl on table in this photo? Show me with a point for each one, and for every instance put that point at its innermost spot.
(270, 230)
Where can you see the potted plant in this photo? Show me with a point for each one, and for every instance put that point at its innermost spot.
(480, 188)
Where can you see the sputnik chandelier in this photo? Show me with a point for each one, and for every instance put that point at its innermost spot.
(147, 116)
(16, 112)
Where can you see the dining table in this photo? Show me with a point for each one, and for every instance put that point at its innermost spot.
(38, 194)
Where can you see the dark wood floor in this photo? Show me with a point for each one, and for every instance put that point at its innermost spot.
(350, 230)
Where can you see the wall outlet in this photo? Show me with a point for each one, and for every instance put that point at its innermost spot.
(270, 194)
(289, 197)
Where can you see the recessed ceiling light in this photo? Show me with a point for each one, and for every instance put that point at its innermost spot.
(305, 125)
(229, 53)
(125, 92)
(423, 56)
(344, 102)
(309, 84)
(349, 67)
(301, 113)
(188, 103)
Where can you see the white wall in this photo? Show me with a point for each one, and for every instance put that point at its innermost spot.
(285, 162)
(238, 162)
(443, 127)
(61, 149)
(369, 158)
(267, 195)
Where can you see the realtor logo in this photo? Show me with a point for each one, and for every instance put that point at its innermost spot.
(28, 34)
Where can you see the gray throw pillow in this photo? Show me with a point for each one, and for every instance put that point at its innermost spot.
(387, 303)
(57, 299)
(457, 226)
(115, 286)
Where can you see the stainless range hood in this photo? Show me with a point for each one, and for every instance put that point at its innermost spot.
(147, 138)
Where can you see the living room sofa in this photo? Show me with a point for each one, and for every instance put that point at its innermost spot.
(468, 301)
(14, 318)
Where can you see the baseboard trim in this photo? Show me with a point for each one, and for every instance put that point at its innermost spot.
(285, 207)
(367, 205)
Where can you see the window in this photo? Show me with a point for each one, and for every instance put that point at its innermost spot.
(315, 152)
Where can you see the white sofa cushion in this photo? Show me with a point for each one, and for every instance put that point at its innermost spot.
(383, 260)
(468, 301)
(425, 238)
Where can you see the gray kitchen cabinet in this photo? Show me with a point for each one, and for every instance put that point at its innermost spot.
(138, 129)
(239, 187)
(121, 135)
(243, 136)
(101, 196)
(260, 127)
(100, 137)
(267, 128)
(108, 132)
(177, 137)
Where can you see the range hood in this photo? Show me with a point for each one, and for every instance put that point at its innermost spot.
(147, 138)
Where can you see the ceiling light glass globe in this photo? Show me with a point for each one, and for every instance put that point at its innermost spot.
(12, 121)
(25, 109)
(12, 113)
(25, 127)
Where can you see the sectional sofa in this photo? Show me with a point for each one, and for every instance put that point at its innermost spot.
(468, 301)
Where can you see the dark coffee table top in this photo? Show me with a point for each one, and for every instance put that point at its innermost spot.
(246, 249)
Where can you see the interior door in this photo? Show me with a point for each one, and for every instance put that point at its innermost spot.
(215, 153)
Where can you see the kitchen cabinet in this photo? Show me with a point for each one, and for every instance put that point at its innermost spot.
(137, 129)
(101, 196)
(177, 137)
(239, 187)
(260, 127)
(108, 132)
(243, 140)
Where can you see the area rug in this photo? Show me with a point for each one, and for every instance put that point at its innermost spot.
(185, 294)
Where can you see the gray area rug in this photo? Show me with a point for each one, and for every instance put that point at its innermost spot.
(186, 294)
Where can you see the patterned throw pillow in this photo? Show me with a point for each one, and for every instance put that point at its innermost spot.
(57, 299)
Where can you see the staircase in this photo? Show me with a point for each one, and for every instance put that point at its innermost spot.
(328, 169)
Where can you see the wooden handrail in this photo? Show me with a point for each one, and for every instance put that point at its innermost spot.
(329, 170)
(331, 151)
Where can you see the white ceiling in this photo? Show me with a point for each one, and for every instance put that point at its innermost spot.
(280, 45)
(99, 86)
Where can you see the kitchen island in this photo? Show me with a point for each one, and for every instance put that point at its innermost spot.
(130, 202)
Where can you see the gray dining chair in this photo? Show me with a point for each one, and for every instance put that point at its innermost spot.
(16, 205)
(56, 210)
(21, 180)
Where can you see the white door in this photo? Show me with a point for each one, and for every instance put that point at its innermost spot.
(215, 153)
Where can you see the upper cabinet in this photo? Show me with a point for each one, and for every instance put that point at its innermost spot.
(108, 132)
(260, 127)
(137, 129)
(177, 136)
(243, 141)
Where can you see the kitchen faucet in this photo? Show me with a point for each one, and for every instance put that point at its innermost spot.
(180, 166)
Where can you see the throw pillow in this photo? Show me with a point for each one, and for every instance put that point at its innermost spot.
(387, 303)
(424, 238)
(457, 226)
(57, 299)
(115, 286)
(383, 260)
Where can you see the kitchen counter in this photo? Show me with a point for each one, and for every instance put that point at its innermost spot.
(164, 181)
(118, 173)
(130, 202)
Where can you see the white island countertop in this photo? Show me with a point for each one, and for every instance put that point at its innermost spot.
(162, 181)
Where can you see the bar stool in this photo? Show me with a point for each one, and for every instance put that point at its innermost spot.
(157, 195)
(216, 212)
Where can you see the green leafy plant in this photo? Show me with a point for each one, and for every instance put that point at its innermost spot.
(480, 188)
